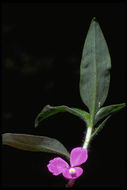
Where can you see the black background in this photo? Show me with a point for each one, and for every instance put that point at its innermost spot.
(53, 35)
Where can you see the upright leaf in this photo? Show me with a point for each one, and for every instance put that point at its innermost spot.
(99, 128)
(94, 69)
(34, 143)
(48, 111)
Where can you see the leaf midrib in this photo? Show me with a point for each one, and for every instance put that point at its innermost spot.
(95, 83)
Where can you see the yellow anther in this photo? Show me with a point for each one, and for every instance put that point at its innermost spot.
(72, 170)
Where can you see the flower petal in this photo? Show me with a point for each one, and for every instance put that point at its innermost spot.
(57, 166)
(78, 156)
(68, 175)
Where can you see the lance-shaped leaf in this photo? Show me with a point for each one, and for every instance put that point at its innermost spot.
(100, 127)
(108, 110)
(48, 111)
(34, 143)
(94, 69)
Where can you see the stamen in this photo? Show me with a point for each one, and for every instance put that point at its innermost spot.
(72, 170)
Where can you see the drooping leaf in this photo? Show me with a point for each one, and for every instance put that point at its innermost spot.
(34, 143)
(100, 127)
(48, 111)
(94, 69)
(108, 110)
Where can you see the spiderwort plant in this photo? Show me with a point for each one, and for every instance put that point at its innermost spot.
(94, 85)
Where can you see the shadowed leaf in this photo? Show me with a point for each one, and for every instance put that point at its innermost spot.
(48, 111)
(108, 110)
(34, 143)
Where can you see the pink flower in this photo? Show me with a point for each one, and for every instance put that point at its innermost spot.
(77, 157)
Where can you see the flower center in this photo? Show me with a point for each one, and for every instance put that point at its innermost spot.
(72, 170)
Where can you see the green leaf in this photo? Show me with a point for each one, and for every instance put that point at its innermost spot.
(99, 128)
(108, 110)
(48, 111)
(94, 69)
(34, 143)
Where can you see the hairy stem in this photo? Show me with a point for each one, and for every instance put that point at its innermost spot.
(87, 138)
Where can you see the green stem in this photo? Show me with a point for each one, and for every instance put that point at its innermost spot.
(89, 130)
(88, 137)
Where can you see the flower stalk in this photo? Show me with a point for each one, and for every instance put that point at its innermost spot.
(70, 183)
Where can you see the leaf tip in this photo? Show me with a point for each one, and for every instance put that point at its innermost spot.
(94, 19)
(123, 105)
(35, 124)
